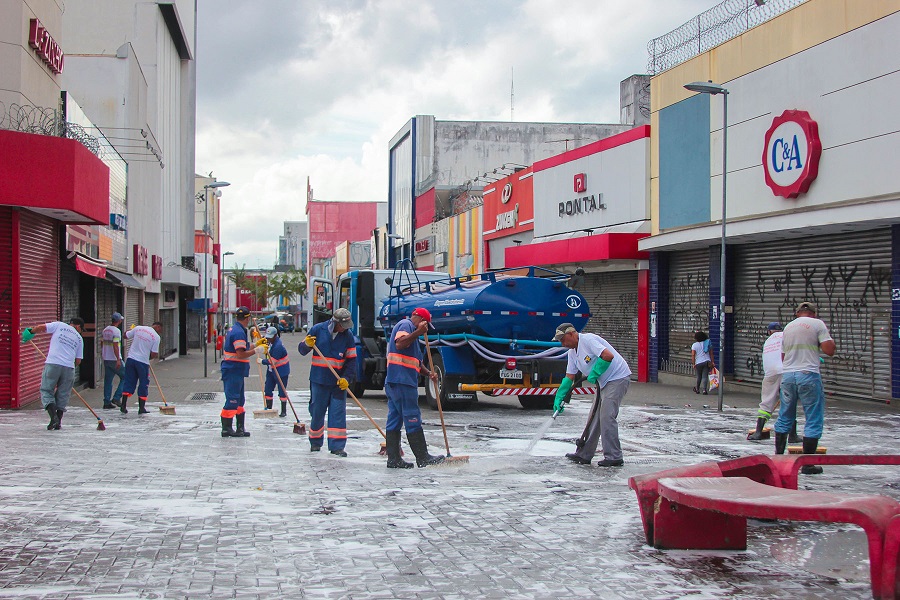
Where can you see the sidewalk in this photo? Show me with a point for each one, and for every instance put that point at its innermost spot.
(162, 506)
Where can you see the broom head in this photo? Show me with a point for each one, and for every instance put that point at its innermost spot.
(266, 413)
(101, 426)
(168, 409)
(454, 460)
(299, 428)
(799, 450)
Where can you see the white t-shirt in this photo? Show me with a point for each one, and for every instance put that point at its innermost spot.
(771, 354)
(591, 346)
(66, 344)
(701, 355)
(111, 337)
(800, 345)
(144, 340)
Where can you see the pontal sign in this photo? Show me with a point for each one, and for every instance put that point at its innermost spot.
(791, 154)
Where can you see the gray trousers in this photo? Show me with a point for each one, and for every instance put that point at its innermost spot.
(603, 425)
(56, 385)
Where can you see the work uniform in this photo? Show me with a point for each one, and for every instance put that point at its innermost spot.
(402, 381)
(339, 350)
(58, 376)
(144, 342)
(234, 370)
(112, 338)
(277, 361)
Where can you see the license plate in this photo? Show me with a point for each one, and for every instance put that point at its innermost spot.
(505, 374)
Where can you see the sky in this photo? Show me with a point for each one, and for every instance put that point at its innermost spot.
(295, 89)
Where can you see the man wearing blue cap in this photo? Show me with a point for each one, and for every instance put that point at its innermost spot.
(111, 339)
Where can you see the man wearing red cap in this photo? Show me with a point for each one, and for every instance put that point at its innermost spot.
(404, 362)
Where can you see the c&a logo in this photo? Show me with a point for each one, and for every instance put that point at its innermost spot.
(791, 154)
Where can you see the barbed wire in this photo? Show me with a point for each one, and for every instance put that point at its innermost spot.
(707, 30)
(40, 120)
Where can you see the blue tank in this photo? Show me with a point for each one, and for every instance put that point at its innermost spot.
(494, 305)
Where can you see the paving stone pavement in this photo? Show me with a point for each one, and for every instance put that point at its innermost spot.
(161, 506)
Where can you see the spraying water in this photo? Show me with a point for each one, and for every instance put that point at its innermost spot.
(540, 433)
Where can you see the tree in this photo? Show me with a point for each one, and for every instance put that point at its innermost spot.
(288, 285)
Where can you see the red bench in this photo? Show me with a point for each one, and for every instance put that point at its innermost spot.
(711, 513)
(788, 465)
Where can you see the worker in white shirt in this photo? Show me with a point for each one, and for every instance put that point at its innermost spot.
(65, 353)
(144, 347)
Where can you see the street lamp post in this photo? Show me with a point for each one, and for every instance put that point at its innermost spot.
(713, 89)
(223, 291)
(206, 188)
(395, 236)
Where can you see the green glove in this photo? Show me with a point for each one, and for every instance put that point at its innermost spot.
(561, 393)
(27, 335)
(600, 367)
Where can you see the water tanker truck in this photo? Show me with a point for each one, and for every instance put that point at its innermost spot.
(492, 331)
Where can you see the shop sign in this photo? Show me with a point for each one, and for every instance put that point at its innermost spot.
(140, 258)
(156, 267)
(508, 219)
(45, 46)
(585, 204)
(118, 222)
(423, 246)
(506, 193)
(580, 183)
(791, 153)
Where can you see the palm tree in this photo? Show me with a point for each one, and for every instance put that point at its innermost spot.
(286, 286)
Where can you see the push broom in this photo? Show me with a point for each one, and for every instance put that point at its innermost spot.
(100, 425)
(449, 459)
(299, 428)
(265, 413)
(355, 399)
(167, 409)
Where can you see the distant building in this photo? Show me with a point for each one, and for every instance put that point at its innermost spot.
(293, 246)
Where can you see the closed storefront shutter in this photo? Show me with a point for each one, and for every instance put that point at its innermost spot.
(688, 307)
(169, 342)
(134, 301)
(39, 285)
(8, 343)
(107, 303)
(613, 300)
(849, 277)
(151, 308)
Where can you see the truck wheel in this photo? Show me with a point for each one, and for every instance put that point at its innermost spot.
(358, 388)
(446, 385)
(536, 402)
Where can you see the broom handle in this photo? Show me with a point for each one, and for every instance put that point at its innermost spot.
(80, 397)
(437, 393)
(157, 385)
(283, 387)
(262, 380)
(352, 395)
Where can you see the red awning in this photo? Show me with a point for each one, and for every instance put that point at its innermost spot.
(90, 268)
(605, 246)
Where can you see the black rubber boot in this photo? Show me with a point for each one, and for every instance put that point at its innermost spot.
(393, 451)
(793, 438)
(239, 428)
(54, 420)
(757, 435)
(419, 447)
(809, 447)
(283, 409)
(268, 404)
(59, 415)
(122, 409)
(227, 429)
(780, 442)
(141, 409)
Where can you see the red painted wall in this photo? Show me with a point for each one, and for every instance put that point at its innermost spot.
(425, 208)
(331, 223)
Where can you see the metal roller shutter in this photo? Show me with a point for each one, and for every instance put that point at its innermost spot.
(134, 300)
(107, 303)
(8, 347)
(613, 300)
(849, 277)
(39, 286)
(169, 343)
(151, 308)
(688, 307)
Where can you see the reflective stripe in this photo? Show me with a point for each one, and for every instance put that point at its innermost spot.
(337, 363)
(395, 358)
(278, 362)
(351, 353)
(239, 344)
(335, 433)
(239, 410)
(228, 414)
(316, 434)
(232, 356)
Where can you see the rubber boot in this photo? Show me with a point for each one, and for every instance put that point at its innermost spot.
(809, 447)
(283, 409)
(757, 435)
(780, 442)
(793, 438)
(59, 415)
(122, 409)
(54, 420)
(419, 447)
(141, 409)
(227, 429)
(393, 451)
(268, 404)
(239, 428)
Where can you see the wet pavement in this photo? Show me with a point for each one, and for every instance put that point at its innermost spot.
(161, 506)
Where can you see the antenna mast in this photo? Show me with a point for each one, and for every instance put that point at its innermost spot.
(512, 94)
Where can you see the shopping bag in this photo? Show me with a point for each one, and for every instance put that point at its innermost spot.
(714, 381)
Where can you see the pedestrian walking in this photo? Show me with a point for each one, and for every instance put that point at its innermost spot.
(404, 362)
(801, 381)
(65, 353)
(235, 367)
(278, 365)
(111, 338)
(327, 393)
(701, 358)
(598, 360)
(770, 394)
(144, 348)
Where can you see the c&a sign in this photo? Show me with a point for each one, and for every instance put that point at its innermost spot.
(791, 153)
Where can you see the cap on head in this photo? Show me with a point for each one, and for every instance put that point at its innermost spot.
(774, 326)
(116, 317)
(806, 305)
(423, 314)
(271, 332)
(242, 313)
(342, 317)
(562, 330)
